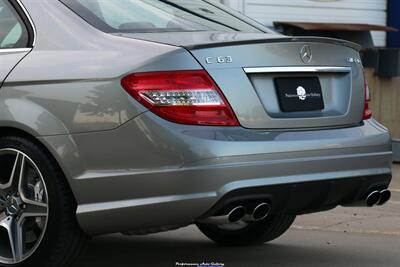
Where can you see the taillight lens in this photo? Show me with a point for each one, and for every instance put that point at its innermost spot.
(367, 97)
(186, 97)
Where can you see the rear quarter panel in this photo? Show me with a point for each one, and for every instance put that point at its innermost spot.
(70, 82)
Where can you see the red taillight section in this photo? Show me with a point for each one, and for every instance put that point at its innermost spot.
(186, 97)
(367, 97)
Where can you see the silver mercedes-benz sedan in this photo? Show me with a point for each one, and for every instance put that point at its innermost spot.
(141, 116)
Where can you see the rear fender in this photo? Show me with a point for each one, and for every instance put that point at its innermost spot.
(29, 117)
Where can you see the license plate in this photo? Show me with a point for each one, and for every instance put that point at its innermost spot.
(299, 94)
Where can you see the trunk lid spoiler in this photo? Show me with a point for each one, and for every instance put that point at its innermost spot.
(200, 40)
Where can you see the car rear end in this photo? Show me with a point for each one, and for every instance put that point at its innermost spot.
(150, 115)
(239, 132)
(264, 119)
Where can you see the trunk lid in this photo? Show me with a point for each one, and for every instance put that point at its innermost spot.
(246, 67)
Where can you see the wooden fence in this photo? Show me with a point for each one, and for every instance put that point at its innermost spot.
(385, 102)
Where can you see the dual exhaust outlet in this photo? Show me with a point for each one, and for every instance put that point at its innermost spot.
(240, 213)
(378, 198)
(262, 210)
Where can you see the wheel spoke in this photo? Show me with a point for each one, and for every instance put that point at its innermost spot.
(14, 231)
(17, 169)
(2, 217)
(20, 179)
(15, 173)
(34, 209)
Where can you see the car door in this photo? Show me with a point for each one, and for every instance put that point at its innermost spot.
(15, 36)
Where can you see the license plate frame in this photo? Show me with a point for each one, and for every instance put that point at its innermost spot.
(299, 94)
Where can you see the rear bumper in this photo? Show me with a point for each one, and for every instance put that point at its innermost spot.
(150, 173)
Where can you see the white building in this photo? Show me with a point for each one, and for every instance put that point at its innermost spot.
(337, 11)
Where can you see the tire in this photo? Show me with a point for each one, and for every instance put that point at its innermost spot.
(61, 241)
(255, 233)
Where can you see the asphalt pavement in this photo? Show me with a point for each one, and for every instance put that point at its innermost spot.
(342, 237)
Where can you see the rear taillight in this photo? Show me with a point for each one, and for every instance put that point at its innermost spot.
(367, 97)
(186, 97)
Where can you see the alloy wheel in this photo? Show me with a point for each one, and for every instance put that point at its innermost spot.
(23, 206)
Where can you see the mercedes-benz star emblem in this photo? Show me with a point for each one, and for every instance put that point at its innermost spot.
(306, 54)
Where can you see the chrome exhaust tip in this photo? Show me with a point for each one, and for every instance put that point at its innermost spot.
(385, 197)
(261, 212)
(373, 198)
(236, 214)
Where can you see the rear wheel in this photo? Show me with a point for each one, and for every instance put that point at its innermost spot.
(244, 234)
(38, 225)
